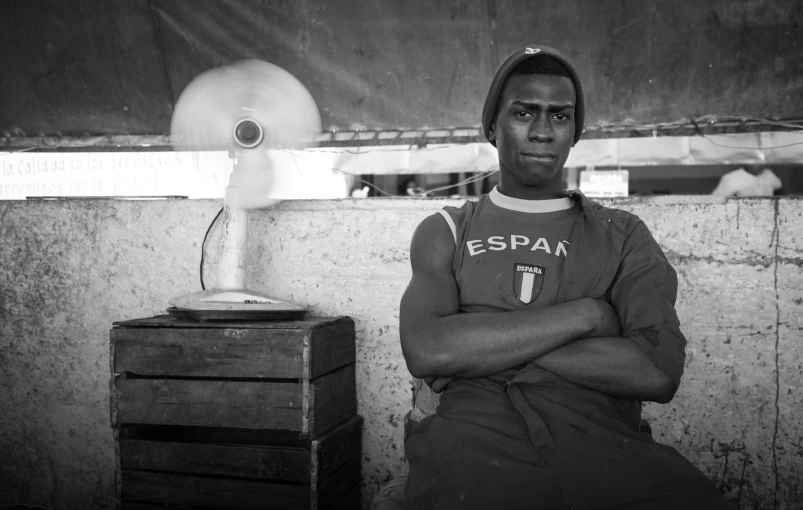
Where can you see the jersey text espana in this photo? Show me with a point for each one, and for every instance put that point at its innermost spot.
(509, 253)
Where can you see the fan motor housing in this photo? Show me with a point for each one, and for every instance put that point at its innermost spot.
(248, 133)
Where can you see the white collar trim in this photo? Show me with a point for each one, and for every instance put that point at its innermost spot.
(529, 206)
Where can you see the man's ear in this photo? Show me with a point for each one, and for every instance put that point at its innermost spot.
(491, 133)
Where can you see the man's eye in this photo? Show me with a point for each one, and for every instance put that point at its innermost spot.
(561, 116)
(522, 115)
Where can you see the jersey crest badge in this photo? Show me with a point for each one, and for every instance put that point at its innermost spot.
(527, 282)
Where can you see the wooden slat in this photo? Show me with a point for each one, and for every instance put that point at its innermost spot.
(118, 482)
(169, 321)
(112, 387)
(223, 460)
(337, 486)
(131, 505)
(206, 403)
(351, 501)
(332, 346)
(218, 352)
(142, 506)
(333, 399)
(141, 447)
(223, 493)
(216, 435)
(338, 446)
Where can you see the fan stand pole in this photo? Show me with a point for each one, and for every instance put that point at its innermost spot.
(233, 243)
(230, 300)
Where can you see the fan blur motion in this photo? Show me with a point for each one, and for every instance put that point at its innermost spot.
(248, 108)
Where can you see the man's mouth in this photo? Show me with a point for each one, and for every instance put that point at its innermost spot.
(540, 156)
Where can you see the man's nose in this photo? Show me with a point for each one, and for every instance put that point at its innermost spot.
(541, 129)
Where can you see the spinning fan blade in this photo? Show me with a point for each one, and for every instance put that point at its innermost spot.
(212, 105)
(247, 108)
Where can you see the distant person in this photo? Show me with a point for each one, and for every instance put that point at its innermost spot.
(409, 187)
(545, 319)
(749, 182)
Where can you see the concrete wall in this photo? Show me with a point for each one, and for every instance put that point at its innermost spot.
(68, 269)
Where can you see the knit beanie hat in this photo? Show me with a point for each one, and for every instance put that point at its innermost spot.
(492, 99)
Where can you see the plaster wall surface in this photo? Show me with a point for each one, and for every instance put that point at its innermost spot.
(69, 269)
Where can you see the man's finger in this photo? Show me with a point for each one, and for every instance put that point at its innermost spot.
(440, 383)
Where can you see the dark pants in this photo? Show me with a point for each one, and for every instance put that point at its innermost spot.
(478, 452)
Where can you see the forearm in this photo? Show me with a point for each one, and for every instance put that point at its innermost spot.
(611, 365)
(481, 344)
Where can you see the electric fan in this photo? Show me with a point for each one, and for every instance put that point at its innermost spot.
(248, 108)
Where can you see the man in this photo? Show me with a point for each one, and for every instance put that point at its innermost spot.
(545, 319)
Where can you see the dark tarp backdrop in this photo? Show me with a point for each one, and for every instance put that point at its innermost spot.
(115, 67)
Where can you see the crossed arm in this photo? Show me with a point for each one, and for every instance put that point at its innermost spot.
(578, 340)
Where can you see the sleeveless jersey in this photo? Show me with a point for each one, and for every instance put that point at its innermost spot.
(509, 252)
(547, 441)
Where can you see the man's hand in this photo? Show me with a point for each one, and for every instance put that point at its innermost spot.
(438, 384)
(612, 365)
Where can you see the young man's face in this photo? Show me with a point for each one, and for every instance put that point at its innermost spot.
(534, 130)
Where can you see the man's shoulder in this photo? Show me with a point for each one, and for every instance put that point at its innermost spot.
(621, 216)
(636, 238)
(469, 205)
(626, 228)
(461, 212)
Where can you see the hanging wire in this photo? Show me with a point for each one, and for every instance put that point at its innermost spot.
(380, 190)
(709, 120)
(9, 153)
(203, 243)
(298, 170)
(393, 148)
(377, 188)
(707, 137)
(474, 178)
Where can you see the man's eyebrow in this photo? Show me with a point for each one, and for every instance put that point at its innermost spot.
(551, 107)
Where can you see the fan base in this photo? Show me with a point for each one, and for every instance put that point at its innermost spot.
(233, 305)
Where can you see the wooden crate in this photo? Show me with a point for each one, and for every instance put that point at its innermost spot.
(296, 376)
(235, 415)
(200, 468)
